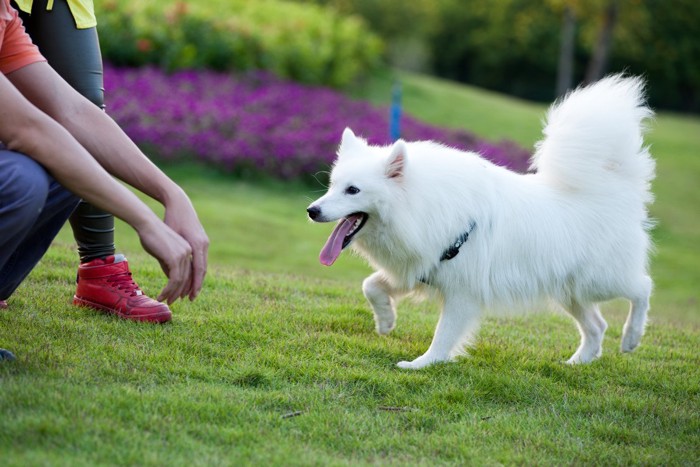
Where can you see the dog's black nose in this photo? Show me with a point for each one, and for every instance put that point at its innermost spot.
(314, 212)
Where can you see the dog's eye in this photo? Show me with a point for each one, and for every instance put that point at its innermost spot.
(352, 190)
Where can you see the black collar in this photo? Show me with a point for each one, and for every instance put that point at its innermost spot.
(452, 250)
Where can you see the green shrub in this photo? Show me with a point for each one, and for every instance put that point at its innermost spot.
(513, 45)
(306, 43)
(403, 26)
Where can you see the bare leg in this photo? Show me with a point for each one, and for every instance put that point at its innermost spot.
(592, 327)
(380, 295)
(459, 319)
(636, 320)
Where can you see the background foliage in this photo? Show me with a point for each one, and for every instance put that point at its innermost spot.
(510, 46)
(513, 45)
(306, 43)
(253, 124)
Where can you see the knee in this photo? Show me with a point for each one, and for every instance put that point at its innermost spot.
(24, 187)
(374, 287)
(368, 287)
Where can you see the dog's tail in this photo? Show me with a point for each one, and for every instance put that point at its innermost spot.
(593, 139)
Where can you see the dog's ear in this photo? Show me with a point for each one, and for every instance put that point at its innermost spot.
(397, 160)
(349, 141)
(348, 136)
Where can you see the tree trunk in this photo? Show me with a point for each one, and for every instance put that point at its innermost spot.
(565, 68)
(599, 61)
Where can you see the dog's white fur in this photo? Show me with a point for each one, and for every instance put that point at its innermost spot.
(574, 231)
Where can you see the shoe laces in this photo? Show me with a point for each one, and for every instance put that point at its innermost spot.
(126, 283)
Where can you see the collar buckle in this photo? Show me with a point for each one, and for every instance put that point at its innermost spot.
(453, 250)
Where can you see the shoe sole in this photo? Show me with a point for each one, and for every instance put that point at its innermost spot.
(160, 317)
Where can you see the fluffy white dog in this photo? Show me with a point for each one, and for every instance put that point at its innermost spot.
(574, 231)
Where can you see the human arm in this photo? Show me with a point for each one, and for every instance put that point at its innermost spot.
(25, 128)
(116, 153)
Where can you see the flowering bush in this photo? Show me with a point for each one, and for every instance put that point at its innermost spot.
(259, 123)
(302, 42)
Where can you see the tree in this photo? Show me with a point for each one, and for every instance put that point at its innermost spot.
(599, 61)
(565, 66)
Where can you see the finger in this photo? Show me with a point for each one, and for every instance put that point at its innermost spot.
(177, 279)
(186, 290)
(183, 279)
(172, 291)
(183, 282)
(199, 270)
(166, 295)
(165, 292)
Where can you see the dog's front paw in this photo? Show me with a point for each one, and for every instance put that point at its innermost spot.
(408, 366)
(421, 362)
(384, 319)
(582, 357)
(385, 325)
(630, 340)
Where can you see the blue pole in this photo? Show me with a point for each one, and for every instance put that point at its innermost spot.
(395, 115)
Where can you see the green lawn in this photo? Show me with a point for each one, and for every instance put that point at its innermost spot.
(277, 362)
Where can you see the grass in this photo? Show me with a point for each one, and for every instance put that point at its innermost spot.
(277, 362)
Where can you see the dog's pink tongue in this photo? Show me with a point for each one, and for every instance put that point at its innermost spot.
(334, 245)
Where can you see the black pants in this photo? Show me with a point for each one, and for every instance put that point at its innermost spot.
(75, 55)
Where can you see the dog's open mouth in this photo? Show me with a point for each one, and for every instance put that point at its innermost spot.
(341, 237)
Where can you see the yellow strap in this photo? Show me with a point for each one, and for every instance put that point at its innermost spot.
(83, 11)
(24, 5)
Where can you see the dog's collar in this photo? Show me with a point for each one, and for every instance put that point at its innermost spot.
(453, 250)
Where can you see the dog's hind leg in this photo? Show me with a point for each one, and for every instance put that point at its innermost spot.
(636, 319)
(459, 319)
(592, 326)
(380, 295)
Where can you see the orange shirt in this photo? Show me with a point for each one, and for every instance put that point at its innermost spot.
(16, 48)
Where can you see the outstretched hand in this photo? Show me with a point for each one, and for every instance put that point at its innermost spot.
(181, 217)
(175, 257)
(181, 246)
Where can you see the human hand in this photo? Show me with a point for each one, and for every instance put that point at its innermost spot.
(174, 255)
(182, 218)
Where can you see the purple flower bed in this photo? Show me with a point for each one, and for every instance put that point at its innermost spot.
(257, 122)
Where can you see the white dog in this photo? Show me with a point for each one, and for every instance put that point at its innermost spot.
(483, 237)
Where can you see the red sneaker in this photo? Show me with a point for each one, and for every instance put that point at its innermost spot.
(106, 284)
